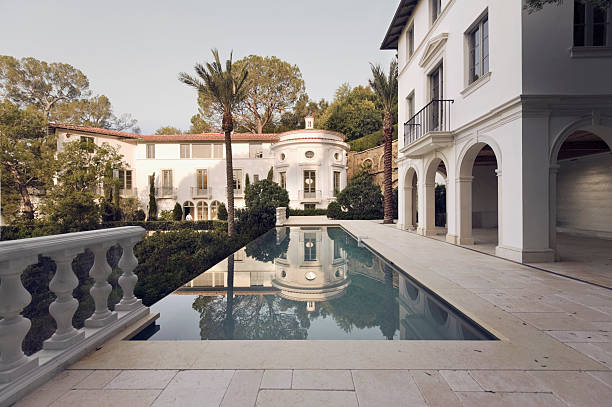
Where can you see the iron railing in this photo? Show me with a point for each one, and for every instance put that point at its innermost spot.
(201, 192)
(165, 192)
(310, 195)
(435, 116)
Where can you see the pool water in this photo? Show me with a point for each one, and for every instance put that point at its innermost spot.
(307, 283)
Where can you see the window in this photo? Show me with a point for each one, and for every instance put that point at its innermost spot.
(88, 141)
(410, 106)
(435, 92)
(255, 177)
(436, 9)
(150, 150)
(591, 25)
(282, 176)
(310, 246)
(201, 150)
(188, 211)
(202, 211)
(201, 179)
(282, 157)
(336, 182)
(125, 179)
(255, 150)
(478, 43)
(310, 184)
(237, 180)
(410, 41)
(310, 206)
(185, 151)
(213, 209)
(309, 154)
(166, 181)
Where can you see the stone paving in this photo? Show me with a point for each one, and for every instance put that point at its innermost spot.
(554, 349)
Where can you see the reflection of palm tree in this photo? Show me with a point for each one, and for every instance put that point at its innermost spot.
(229, 323)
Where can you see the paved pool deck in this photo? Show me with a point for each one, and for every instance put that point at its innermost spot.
(554, 348)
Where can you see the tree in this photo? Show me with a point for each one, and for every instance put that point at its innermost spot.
(361, 199)
(226, 90)
(28, 81)
(177, 212)
(536, 5)
(293, 120)
(152, 213)
(94, 112)
(247, 181)
(168, 130)
(266, 193)
(80, 169)
(221, 212)
(270, 176)
(199, 124)
(273, 87)
(26, 153)
(385, 87)
(355, 113)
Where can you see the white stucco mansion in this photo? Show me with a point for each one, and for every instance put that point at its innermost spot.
(514, 111)
(190, 168)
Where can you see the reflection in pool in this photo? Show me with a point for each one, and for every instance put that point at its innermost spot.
(306, 283)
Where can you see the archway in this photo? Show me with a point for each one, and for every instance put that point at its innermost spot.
(478, 197)
(188, 210)
(213, 209)
(202, 210)
(410, 199)
(581, 197)
(435, 197)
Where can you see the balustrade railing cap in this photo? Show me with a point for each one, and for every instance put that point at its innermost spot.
(47, 244)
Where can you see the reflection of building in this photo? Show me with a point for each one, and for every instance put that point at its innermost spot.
(422, 316)
(314, 269)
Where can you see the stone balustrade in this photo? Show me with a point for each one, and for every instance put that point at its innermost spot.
(19, 372)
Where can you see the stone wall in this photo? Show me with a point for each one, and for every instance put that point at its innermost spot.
(373, 157)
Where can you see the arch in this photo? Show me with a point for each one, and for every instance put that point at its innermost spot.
(381, 163)
(430, 215)
(202, 210)
(188, 209)
(214, 206)
(471, 149)
(410, 198)
(367, 164)
(603, 131)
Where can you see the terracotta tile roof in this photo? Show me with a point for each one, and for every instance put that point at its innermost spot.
(93, 130)
(210, 137)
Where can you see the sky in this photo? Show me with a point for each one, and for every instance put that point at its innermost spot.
(132, 50)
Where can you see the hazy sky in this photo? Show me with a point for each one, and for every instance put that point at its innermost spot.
(132, 50)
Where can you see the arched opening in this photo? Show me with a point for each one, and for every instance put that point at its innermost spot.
(410, 200)
(202, 210)
(188, 212)
(213, 210)
(581, 199)
(435, 198)
(478, 194)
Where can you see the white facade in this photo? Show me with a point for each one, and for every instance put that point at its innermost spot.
(190, 169)
(509, 88)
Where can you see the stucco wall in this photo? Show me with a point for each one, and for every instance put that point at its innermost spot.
(584, 196)
(484, 197)
(375, 156)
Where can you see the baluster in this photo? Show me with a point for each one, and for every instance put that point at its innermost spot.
(101, 289)
(65, 305)
(13, 326)
(128, 279)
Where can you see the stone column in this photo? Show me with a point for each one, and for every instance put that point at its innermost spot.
(13, 326)
(128, 279)
(500, 218)
(429, 216)
(552, 209)
(464, 218)
(65, 305)
(101, 289)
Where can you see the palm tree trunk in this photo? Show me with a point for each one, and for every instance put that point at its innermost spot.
(387, 180)
(229, 171)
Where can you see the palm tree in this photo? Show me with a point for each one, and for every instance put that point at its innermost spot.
(226, 89)
(386, 89)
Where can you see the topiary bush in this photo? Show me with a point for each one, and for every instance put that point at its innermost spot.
(222, 212)
(266, 193)
(306, 212)
(177, 212)
(361, 199)
(334, 211)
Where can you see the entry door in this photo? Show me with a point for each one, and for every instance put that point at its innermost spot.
(310, 186)
(435, 92)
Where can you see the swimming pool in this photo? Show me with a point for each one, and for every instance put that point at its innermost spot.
(307, 283)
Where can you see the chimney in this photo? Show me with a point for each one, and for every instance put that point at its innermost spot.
(309, 120)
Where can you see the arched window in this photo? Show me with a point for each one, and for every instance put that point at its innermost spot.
(213, 209)
(202, 210)
(188, 210)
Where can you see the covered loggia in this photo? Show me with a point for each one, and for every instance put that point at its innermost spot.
(435, 197)
(581, 198)
(410, 199)
(478, 191)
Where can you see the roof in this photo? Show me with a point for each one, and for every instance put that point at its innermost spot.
(402, 14)
(93, 130)
(335, 133)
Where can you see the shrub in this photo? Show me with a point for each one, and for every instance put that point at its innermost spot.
(361, 199)
(139, 215)
(252, 222)
(270, 176)
(177, 212)
(334, 211)
(266, 193)
(166, 216)
(159, 225)
(222, 211)
(129, 207)
(306, 212)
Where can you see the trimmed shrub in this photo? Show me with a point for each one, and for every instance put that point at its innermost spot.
(177, 212)
(361, 199)
(222, 211)
(139, 215)
(266, 193)
(334, 211)
(307, 212)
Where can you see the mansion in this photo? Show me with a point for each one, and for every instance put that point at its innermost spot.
(190, 168)
(514, 112)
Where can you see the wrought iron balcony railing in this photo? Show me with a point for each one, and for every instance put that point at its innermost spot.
(201, 192)
(310, 195)
(165, 192)
(435, 116)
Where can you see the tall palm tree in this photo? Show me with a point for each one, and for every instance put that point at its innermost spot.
(226, 89)
(386, 89)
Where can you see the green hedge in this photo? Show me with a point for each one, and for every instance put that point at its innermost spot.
(170, 225)
(307, 212)
(371, 140)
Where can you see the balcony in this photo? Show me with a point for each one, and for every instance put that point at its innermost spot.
(20, 373)
(239, 193)
(165, 192)
(310, 196)
(429, 129)
(128, 193)
(201, 192)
